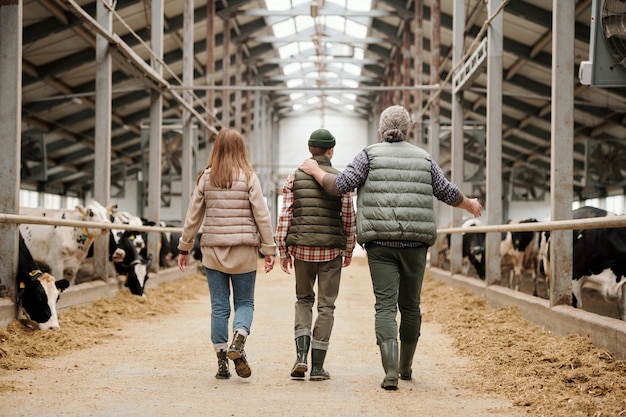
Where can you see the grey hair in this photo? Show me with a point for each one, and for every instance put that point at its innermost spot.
(394, 124)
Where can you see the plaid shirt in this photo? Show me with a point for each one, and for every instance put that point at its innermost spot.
(310, 253)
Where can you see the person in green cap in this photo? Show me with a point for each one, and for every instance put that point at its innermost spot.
(315, 236)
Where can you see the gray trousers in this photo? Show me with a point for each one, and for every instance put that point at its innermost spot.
(328, 276)
(397, 276)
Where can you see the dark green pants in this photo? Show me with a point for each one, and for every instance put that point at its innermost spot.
(397, 276)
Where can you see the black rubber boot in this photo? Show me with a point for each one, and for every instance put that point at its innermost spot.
(389, 355)
(317, 365)
(237, 354)
(302, 351)
(222, 366)
(407, 350)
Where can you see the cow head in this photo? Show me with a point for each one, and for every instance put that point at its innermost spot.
(96, 212)
(37, 296)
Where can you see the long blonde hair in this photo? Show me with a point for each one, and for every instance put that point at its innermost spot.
(228, 157)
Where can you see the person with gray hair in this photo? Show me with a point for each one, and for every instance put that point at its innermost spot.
(396, 183)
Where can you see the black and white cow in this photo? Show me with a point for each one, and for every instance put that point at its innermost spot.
(473, 248)
(598, 260)
(38, 291)
(128, 262)
(169, 245)
(61, 249)
(521, 249)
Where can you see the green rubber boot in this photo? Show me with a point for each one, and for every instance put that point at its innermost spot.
(302, 351)
(389, 356)
(317, 365)
(407, 350)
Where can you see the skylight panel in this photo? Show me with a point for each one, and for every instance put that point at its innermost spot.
(352, 68)
(304, 23)
(291, 68)
(336, 22)
(295, 82)
(306, 46)
(333, 100)
(277, 4)
(349, 83)
(358, 5)
(356, 29)
(291, 49)
(284, 28)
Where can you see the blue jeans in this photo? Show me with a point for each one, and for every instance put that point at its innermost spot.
(243, 300)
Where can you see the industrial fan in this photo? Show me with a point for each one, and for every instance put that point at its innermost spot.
(33, 164)
(606, 163)
(172, 153)
(118, 181)
(607, 45)
(527, 184)
(473, 152)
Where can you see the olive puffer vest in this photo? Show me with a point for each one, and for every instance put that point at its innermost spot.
(316, 218)
(396, 201)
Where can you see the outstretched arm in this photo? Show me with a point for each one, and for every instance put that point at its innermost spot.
(472, 205)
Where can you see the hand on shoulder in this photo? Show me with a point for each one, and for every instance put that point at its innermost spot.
(309, 166)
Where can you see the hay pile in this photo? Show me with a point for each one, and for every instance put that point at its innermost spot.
(85, 326)
(546, 374)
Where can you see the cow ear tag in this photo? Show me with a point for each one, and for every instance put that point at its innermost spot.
(33, 273)
(22, 285)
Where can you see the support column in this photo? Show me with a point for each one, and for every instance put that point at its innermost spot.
(562, 149)
(493, 204)
(226, 75)
(239, 68)
(210, 62)
(435, 109)
(10, 137)
(155, 136)
(187, 176)
(103, 111)
(418, 72)
(456, 240)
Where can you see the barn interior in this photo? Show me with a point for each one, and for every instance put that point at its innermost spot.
(121, 100)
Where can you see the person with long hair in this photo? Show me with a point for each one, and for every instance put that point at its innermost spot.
(395, 222)
(228, 204)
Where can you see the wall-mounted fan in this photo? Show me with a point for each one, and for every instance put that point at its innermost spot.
(527, 184)
(118, 181)
(607, 45)
(606, 163)
(172, 153)
(33, 165)
(473, 152)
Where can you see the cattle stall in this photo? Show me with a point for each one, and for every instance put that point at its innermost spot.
(85, 292)
(555, 314)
